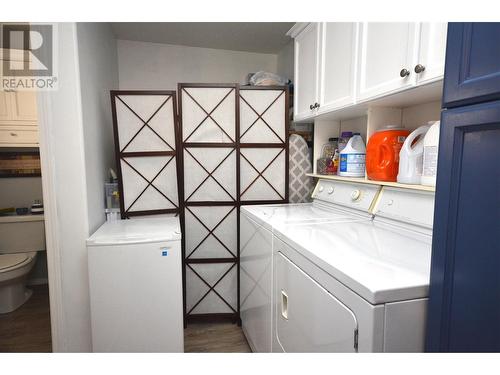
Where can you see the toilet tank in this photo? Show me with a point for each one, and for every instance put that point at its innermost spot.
(22, 233)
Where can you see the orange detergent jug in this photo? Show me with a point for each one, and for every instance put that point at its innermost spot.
(382, 153)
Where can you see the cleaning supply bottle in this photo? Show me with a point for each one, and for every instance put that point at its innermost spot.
(411, 155)
(430, 160)
(353, 158)
(382, 153)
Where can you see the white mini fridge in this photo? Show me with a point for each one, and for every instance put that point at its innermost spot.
(135, 277)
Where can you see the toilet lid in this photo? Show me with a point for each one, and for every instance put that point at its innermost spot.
(11, 260)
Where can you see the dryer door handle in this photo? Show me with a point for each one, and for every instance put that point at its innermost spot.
(284, 305)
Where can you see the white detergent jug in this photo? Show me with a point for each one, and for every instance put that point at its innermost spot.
(411, 157)
(353, 158)
(431, 144)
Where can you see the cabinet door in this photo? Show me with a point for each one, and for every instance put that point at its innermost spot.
(306, 71)
(385, 49)
(24, 106)
(5, 106)
(472, 63)
(464, 304)
(338, 64)
(431, 52)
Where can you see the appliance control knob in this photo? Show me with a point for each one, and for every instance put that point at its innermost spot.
(330, 190)
(320, 189)
(390, 203)
(355, 195)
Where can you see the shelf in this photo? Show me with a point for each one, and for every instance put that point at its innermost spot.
(21, 218)
(363, 180)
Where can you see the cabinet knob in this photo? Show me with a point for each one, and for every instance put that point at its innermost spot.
(404, 73)
(316, 105)
(13, 134)
(311, 107)
(419, 68)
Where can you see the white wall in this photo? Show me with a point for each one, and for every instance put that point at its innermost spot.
(98, 75)
(285, 61)
(145, 65)
(71, 125)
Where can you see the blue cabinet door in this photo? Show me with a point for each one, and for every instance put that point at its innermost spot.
(464, 303)
(472, 72)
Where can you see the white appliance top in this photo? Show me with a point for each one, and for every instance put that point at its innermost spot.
(333, 201)
(143, 230)
(379, 264)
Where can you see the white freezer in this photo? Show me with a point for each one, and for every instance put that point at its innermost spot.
(135, 278)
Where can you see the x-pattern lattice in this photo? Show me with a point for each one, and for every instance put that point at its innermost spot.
(211, 232)
(211, 288)
(149, 183)
(210, 174)
(260, 174)
(145, 123)
(208, 115)
(260, 116)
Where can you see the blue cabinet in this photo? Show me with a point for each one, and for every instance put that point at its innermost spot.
(464, 298)
(472, 71)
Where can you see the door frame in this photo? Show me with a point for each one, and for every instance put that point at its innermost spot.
(52, 247)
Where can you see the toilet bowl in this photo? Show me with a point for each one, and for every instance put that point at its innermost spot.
(14, 269)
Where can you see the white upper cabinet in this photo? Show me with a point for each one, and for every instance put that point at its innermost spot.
(18, 108)
(340, 64)
(387, 55)
(306, 72)
(337, 64)
(430, 63)
(24, 106)
(5, 108)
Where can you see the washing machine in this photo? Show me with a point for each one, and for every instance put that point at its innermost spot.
(355, 286)
(333, 201)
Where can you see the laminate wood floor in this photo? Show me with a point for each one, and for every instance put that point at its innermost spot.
(215, 338)
(28, 328)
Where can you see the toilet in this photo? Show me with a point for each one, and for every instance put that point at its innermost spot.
(20, 239)
(14, 269)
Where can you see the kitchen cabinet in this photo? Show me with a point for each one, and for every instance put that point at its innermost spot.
(429, 66)
(474, 75)
(387, 52)
(464, 284)
(337, 64)
(18, 119)
(306, 72)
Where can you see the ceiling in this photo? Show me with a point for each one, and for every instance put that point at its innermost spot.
(263, 37)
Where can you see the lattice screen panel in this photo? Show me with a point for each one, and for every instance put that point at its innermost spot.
(145, 129)
(263, 144)
(210, 198)
(234, 151)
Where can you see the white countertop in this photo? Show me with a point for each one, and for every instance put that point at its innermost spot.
(21, 218)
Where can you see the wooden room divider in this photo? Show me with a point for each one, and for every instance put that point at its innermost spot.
(234, 152)
(228, 147)
(145, 130)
